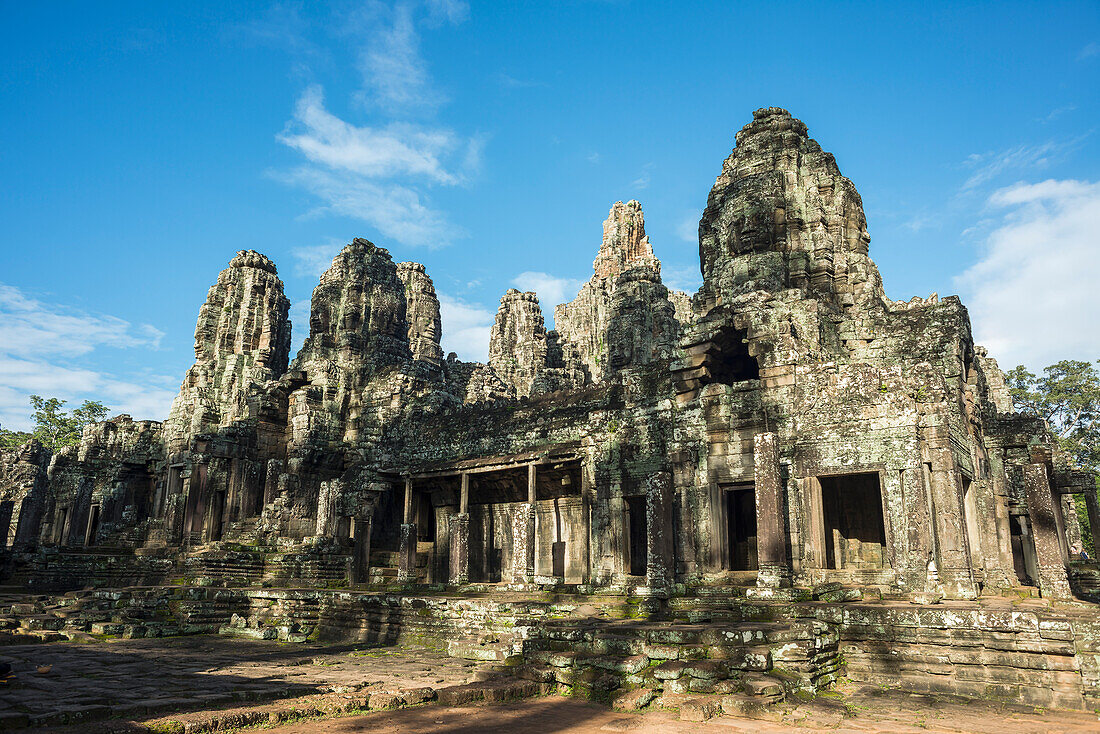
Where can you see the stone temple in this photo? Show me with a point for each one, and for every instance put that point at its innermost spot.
(787, 448)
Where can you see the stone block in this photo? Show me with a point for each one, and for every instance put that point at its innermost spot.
(699, 709)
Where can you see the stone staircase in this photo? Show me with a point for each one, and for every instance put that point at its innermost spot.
(129, 613)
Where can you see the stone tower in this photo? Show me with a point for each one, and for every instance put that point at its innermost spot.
(242, 340)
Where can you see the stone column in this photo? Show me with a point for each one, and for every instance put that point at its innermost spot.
(460, 536)
(660, 569)
(949, 522)
(1052, 580)
(326, 508)
(523, 534)
(1093, 507)
(921, 541)
(771, 525)
(406, 551)
(360, 558)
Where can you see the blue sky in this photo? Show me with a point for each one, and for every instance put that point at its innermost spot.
(143, 144)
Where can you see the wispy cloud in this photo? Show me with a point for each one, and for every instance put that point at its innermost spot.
(688, 228)
(312, 260)
(1015, 161)
(510, 82)
(398, 149)
(381, 173)
(1032, 296)
(1090, 50)
(40, 344)
(644, 178)
(30, 328)
(593, 157)
(1058, 112)
(685, 278)
(550, 289)
(466, 328)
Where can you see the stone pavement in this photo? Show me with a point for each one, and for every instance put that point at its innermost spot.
(137, 678)
(864, 710)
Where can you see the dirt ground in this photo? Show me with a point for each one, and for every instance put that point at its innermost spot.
(128, 678)
(857, 710)
(128, 685)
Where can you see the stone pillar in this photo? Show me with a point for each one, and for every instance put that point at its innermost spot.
(949, 523)
(406, 551)
(1052, 580)
(771, 525)
(1093, 507)
(460, 536)
(360, 558)
(523, 534)
(660, 563)
(326, 507)
(921, 542)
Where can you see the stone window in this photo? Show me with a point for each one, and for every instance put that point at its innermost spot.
(728, 359)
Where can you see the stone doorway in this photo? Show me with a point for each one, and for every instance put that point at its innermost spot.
(1023, 550)
(741, 527)
(637, 535)
(855, 535)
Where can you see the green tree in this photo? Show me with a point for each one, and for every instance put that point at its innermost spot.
(55, 428)
(1067, 397)
(13, 439)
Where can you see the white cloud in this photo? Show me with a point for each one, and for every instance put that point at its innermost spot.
(685, 278)
(1090, 50)
(466, 329)
(380, 173)
(1032, 296)
(594, 157)
(37, 340)
(313, 260)
(395, 75)
(397, 149)
(31, 328)
(395, 210)
(550, 289)
(688, 228)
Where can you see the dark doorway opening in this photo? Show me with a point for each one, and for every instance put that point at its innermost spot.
(425, 518)
(7, 509)
(1019, 536)
(60, 525)
(217, 516)
(855, 536)
(93, 526)
(485, 554)
(637, 535)
(741, 527)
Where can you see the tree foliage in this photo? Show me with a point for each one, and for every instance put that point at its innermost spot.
(53, 426)
(1067, 397)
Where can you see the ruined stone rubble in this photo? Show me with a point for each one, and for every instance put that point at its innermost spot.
(786, 428)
